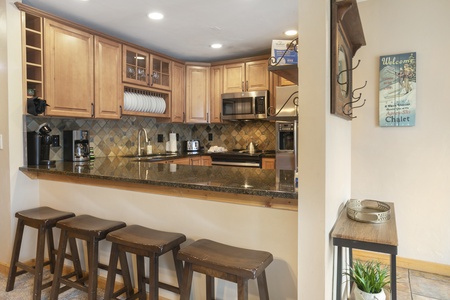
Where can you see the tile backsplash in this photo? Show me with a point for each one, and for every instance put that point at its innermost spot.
(119, 137)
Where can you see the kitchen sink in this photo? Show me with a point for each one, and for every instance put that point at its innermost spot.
(151, 157)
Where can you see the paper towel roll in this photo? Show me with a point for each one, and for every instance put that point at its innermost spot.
(172, 142)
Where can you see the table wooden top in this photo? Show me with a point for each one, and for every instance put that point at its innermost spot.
(381, 233)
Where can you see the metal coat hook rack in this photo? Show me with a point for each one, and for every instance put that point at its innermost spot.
(293, 45)
(347, 108)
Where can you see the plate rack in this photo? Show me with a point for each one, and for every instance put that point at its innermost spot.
(139, 101)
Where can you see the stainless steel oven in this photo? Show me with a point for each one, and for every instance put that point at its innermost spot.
(286, 150)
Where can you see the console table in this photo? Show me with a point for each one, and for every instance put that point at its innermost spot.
(380, 237)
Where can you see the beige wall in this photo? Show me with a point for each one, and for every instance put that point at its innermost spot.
(409, 166)
(239, 225)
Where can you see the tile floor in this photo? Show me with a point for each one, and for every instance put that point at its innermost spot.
(411, 285)
(416, 285)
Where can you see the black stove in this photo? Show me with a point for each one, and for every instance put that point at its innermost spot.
(238, 158)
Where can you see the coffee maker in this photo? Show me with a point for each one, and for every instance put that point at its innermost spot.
(76, 145)
(38, 146)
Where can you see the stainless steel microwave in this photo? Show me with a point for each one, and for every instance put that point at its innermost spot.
(245, 105)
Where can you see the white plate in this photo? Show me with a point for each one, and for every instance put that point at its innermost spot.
(152, 104)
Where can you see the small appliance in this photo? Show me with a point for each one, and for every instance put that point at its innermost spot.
(76, 145)
(38, 146)
(245, 105)
(190, 146)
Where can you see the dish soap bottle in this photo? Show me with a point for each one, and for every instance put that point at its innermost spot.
(149, 148)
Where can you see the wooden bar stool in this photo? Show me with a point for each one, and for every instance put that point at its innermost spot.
(92, 230)
(143, 242)
(226, 262)
(43, 219)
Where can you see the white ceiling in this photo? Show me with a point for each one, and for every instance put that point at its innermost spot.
(244, 27)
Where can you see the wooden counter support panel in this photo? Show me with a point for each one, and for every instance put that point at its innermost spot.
(366, 236)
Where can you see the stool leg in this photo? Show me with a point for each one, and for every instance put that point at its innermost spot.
(125, 273)
(59, 265)
(178, 266)
(187, 281)
(93, 268)
(39, 266)
(141, 277)
(242, 288)
(75, 257)
(262, 286)
(153, 276)
(210, 288)
(15, 255)
(51, 249)
(112, 269)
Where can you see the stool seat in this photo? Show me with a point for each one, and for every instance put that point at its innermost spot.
(92, 230)
(90, 226)
(44, 220)
(233, 260)
(148, 239)
(43, 215)
(226, 262)
(142, 242)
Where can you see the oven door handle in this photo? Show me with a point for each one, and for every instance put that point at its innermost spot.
(236, 164)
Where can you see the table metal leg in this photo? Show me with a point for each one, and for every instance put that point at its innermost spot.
(394, 277)
(339, 274)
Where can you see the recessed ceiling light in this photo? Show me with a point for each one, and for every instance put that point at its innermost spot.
(216, 46)
(290, 32)
(155, 16)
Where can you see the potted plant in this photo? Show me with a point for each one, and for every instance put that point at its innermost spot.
(370, 279)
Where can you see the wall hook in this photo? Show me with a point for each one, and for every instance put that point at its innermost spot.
(346, 70)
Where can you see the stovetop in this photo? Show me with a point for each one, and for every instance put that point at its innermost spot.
(241, 152)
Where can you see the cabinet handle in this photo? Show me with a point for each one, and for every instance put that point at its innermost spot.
(220, 118)
(120, 112)
(242, 86)
(246, 85)
(207, 117)
(184, 117)
(92, 109)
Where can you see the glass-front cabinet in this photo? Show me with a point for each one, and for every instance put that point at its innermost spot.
(136, 66)
(160, 76)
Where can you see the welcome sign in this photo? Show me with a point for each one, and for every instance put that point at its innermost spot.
(397, 93)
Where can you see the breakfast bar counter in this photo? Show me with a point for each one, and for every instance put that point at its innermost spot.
(248, 186)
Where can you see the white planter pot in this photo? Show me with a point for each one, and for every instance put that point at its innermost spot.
(360, 295)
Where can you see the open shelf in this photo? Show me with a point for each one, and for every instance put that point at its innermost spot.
(289, 72)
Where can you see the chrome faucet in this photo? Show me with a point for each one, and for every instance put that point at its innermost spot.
(139, 150)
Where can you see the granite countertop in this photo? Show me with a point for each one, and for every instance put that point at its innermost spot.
(248, 181)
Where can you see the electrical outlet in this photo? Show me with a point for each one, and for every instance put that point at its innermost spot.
(210, 136)
(160, 138)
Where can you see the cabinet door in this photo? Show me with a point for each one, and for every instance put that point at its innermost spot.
(233, 78)
(135, 66)
(197, 94)
(216, 86)
(257, 76)
(69, 70)
(108, 91)
(160, 73)
(268, 163)
(178, 92)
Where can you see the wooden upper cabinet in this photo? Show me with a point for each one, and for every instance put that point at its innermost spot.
(197, 94)
(257, 75)
(234, 78)
(108, 88)
(69, 70)
(178, 93)
(160, 73)
(216, 86)
(136, 66)
(243, 77)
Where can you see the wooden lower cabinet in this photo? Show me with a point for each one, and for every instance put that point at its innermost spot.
(203, 160)
(268, 163)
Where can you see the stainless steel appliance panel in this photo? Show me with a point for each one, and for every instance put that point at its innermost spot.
(286, 149)
(286, 101)
(245, 105)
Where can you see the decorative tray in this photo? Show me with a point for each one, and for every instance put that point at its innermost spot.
(368, 211)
